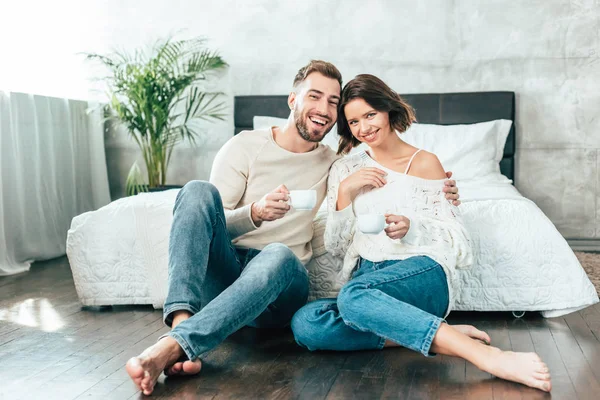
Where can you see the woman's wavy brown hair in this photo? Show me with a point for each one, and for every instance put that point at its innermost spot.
(379, 96)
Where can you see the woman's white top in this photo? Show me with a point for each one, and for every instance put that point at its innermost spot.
(436, 229)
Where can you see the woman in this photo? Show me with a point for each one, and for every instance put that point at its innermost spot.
(398, 284)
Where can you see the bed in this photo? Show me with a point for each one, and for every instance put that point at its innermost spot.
(118, 254)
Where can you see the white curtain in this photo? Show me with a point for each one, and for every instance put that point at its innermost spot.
(52, 168)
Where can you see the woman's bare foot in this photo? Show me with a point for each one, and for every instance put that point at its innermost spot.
(473, 333)
(468, 330)
(525, 368)
(145, 369)
(186, 367)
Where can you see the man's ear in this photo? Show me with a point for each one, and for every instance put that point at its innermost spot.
(292, 100)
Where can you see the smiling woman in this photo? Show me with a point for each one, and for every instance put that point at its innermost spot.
(385, 108)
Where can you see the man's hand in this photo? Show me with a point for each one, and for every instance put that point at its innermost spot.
(398, 226)
(451, 190)
(272, 206)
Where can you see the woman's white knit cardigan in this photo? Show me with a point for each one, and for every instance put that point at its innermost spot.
(435, 230)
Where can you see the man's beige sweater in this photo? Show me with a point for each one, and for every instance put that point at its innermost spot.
(252, 164)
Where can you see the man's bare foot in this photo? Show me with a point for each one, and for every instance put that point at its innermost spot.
(145, 369)
(186, 367)
(525, 368)
(473, 333)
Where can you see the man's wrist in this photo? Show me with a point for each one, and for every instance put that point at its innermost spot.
(254, 214)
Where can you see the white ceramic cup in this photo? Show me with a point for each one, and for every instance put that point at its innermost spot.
(303, 199)
(370, 223)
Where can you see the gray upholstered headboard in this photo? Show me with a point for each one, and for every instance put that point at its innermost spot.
(431, 108)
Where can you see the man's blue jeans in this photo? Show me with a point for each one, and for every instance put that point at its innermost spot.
(224, 288)
(400, 300)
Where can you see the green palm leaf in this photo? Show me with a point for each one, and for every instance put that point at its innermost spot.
(156, 97)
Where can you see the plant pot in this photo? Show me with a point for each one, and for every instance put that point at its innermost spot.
(163, 188)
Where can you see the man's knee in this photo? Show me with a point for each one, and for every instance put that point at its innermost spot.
(279, 266)
(279, 251)
(199, 193)
(281, 259)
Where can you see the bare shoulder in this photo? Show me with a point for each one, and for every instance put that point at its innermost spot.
(426, 165)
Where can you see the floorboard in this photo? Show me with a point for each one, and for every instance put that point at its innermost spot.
(58, 350)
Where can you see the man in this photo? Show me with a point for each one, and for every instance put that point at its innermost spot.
(234, 260)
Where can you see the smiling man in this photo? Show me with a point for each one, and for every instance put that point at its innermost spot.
(234, 260)
(236, 251)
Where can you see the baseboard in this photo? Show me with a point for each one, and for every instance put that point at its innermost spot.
(584, 244)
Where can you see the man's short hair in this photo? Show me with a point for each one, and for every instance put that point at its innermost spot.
(323, 67)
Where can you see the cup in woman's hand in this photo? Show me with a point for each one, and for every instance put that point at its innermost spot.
(370, 223)
(303, 199)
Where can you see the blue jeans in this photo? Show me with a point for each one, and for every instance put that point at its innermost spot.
(400, 300)
(224, 288)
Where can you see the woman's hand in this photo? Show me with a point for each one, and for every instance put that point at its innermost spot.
(352, 185)
(398, 226)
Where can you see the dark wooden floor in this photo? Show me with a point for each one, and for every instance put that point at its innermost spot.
(52, 349)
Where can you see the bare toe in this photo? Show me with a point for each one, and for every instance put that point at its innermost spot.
(147, 383)
(174, 369)
(473, 333)
(544, 385)
(145, 369)
(135, 371)
(542, 368)
(192, 367)
(542, 376)
(525, 368)
(184, 368)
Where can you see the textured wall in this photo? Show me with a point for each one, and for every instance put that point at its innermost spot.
(547, 51)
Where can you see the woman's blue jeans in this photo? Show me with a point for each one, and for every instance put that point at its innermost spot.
(400, 300)
(224, 288)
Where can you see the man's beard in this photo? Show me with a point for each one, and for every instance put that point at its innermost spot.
(303, 129)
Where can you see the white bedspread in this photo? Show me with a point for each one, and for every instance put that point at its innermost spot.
(118, 255)
(523, 263)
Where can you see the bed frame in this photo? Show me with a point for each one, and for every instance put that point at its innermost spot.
(431, 108)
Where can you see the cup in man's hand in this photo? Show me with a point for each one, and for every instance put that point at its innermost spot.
(304, 200)
(370, 224)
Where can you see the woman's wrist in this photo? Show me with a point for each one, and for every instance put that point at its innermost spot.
(345, 197)
(343, 201)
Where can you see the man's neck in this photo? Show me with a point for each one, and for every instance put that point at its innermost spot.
(288, 138)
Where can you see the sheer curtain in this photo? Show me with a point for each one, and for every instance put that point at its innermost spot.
(52, 168)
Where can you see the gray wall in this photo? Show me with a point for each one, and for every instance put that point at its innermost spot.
(547, 51)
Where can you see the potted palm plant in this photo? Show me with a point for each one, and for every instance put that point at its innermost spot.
(159, 99)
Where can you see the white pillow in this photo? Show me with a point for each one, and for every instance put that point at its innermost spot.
(471, 152)
(262, 122)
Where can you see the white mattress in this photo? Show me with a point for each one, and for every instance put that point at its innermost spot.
(118, 255)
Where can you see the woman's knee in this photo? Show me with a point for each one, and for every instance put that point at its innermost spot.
(306, 326)
(299, 325)
(349, 299)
